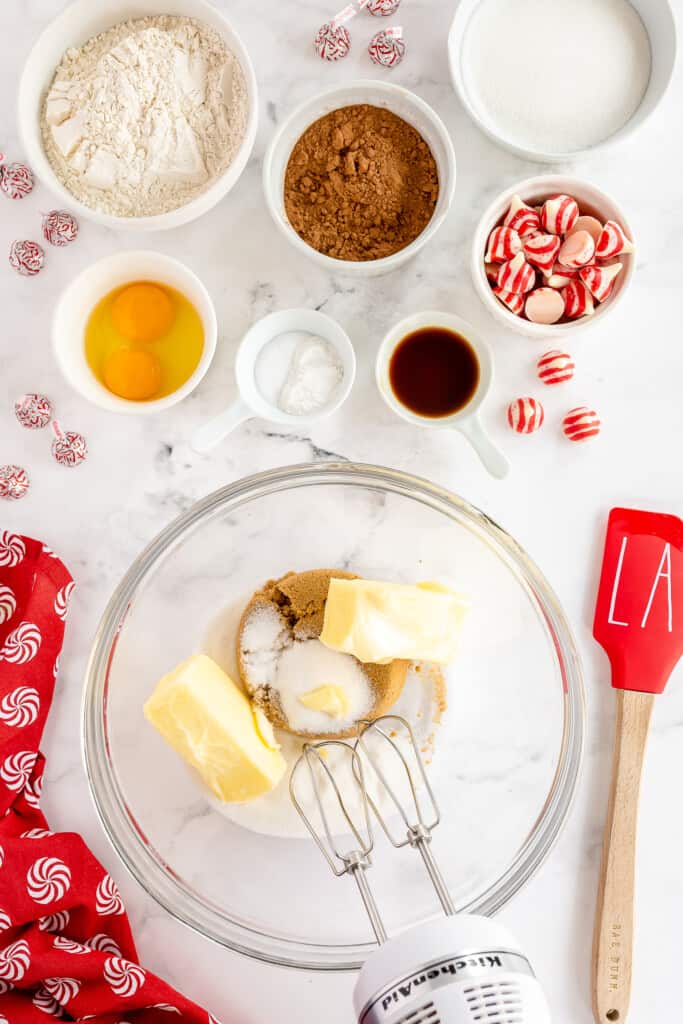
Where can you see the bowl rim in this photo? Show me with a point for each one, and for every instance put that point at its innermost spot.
(110, 804)
(195, 208)
(456, 35)
(386, 263)
(490, 216)
(114, 403)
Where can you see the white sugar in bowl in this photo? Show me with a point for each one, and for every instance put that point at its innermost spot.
(555, 81)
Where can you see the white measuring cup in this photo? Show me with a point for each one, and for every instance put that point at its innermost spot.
(466, 420)
(251, 402)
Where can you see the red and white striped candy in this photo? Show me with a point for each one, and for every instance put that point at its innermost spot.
(578, 301)
(522, 218)
(513, 300)
(542, 250)
(544, 306)
(561, 276)
(589, 224)
(581, 424)
(525, 415)
(517, 275)
(612, 242)
(577, 250)
(504, 243)
(559, 214)
(555, 367)
(600, 280)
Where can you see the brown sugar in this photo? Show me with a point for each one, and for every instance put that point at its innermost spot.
(361, 184)
(300, 600)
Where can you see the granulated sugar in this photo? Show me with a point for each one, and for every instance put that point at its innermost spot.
(555, 75)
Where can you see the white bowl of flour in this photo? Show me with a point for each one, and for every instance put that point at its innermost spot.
(142, 115)
(554, 80)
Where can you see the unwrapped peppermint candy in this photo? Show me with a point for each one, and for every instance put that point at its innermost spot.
(525, 415)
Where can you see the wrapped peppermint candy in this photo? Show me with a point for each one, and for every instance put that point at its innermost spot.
(16, 180)
(59, 227)
(333, 41)
(68, 447)
(382, 8)
(14, 482)
(33, 411)
(26, 257)
(387, 47)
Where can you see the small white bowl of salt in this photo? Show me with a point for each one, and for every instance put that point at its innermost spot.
(294, 367)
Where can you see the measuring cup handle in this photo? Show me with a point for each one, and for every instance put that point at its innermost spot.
(213, 432)
(491, 456)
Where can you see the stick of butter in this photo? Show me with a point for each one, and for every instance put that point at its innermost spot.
(206, 718)
(377, 622)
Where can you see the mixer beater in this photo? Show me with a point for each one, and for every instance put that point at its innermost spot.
(459, 969)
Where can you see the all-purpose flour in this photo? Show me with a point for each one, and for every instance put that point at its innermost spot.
(556, 75)
(143, 118)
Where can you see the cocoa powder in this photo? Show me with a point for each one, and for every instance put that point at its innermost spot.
(361, 184)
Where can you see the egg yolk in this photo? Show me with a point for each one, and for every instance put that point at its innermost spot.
(133, 374)
(142, 312)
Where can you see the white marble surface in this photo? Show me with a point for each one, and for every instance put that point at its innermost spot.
(141, 472)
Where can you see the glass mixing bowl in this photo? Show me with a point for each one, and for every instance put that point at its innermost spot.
(507, 753)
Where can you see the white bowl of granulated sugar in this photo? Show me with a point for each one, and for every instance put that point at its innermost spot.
(553, 81)
(140, 115)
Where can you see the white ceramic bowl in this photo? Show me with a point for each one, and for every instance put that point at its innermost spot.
(379, 94)
(85, 291)
(533, 191)
(251, 402)
(658, 19)
(466, 420)
(74, 26)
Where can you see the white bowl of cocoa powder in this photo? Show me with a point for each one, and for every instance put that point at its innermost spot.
(360, 177)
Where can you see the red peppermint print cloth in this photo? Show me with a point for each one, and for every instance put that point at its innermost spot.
(66, 948)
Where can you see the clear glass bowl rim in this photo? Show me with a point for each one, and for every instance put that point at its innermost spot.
(110, 805)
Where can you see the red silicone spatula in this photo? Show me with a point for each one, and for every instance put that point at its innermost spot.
(639, 622)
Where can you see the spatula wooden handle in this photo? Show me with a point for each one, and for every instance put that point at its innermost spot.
(613, 936)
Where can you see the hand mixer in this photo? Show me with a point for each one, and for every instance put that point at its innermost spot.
(460, 969)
